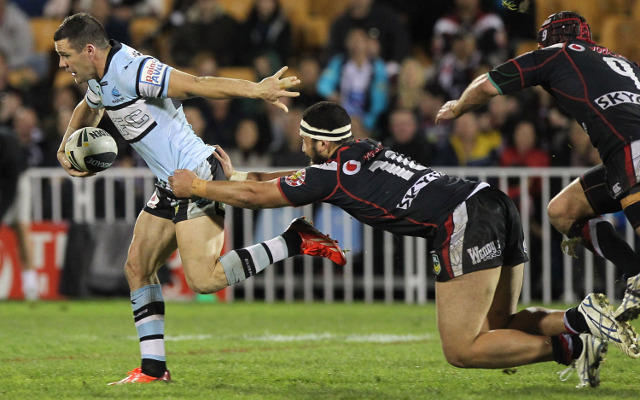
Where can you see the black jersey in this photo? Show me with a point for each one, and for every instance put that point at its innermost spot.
(599, 88)
(381, 188)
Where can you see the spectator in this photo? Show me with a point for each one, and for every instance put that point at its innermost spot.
(459, 66)
(432, 98)
(524, 152)
(117, 28)
(408, 89)
(225, 115)
(379, 22)
(486, 27)
(10, 96)
(27, 128)
(17, 42)
(207, 27)
(469, 147)
(247, 152)
(357, 80)
(268, 33)
(406, 139)
(290, 154)
(308, 72)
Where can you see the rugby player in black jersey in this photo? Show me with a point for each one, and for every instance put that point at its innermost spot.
(601, 90)
(478, 251)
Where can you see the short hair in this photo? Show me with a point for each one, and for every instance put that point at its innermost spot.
(326, 115)
(82, 29)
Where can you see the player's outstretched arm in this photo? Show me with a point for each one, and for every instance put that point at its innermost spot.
(82, 116)
(183, 85)
(479, 92)
(245, 194)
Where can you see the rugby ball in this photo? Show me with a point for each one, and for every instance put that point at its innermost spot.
(91, 149)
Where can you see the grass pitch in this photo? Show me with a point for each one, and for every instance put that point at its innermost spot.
(71, 350)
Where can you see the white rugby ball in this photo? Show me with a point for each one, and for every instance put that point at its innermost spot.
(91, 149)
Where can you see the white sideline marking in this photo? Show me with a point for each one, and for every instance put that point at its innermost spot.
(314, 337)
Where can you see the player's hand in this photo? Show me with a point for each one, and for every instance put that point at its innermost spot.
(62, 159)
(447, 111)
(225, 161)
(272, 88)
(180, 182)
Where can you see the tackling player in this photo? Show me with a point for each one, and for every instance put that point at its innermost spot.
(601, 90)
(141, 96)
(474, 230)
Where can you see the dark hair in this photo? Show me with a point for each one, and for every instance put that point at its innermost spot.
(326, 115)
(82, 29)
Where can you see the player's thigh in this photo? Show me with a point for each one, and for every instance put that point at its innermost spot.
(505, 299)
(154, 240)
(200, 241)
(463, 304)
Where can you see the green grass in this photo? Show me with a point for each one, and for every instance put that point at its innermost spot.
(70, 350)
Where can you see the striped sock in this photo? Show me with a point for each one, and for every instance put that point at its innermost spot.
(243, 263)
(148, 313)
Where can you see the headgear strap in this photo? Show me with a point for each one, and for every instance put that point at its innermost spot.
(324, 134)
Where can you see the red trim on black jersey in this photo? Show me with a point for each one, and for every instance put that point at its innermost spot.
(448, 225)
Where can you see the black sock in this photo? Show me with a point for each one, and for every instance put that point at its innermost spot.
(153, 368)
(576, 320)
(602, 239)
(294, 241)
(576, 346)
(562, 353)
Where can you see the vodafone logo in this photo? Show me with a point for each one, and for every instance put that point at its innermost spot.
(351, 167)
(576, 47)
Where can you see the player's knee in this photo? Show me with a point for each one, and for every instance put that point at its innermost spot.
(558, 212)
(206, 283)
(134, 271)
(458, 358)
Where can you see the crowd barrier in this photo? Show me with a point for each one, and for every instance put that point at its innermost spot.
(380, 267)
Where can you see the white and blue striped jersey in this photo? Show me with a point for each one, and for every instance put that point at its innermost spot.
(133, 91)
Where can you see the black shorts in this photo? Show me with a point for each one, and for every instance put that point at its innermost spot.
(622, 170)
(596, 190)
(483, 232)
(164, 204)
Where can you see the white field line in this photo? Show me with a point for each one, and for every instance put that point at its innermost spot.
(313, 337)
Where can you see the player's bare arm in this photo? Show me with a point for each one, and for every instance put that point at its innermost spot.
(246, 194)
(183, 85)
(82, 116)
(479, 92)
(234, 175)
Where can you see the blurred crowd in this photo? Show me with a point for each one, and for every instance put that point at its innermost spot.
(390, 63)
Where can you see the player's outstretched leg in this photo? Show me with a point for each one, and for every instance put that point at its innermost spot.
(316, 243)
(136, 376)
(589, 362)
(630, 307)
(601, 322)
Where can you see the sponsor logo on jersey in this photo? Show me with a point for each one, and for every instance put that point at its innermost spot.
(296, 179)
(436, 264)
(489, 251)
(152, 72)
(576, 47)
(412, 193)
(351, 167)
(614, 98)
